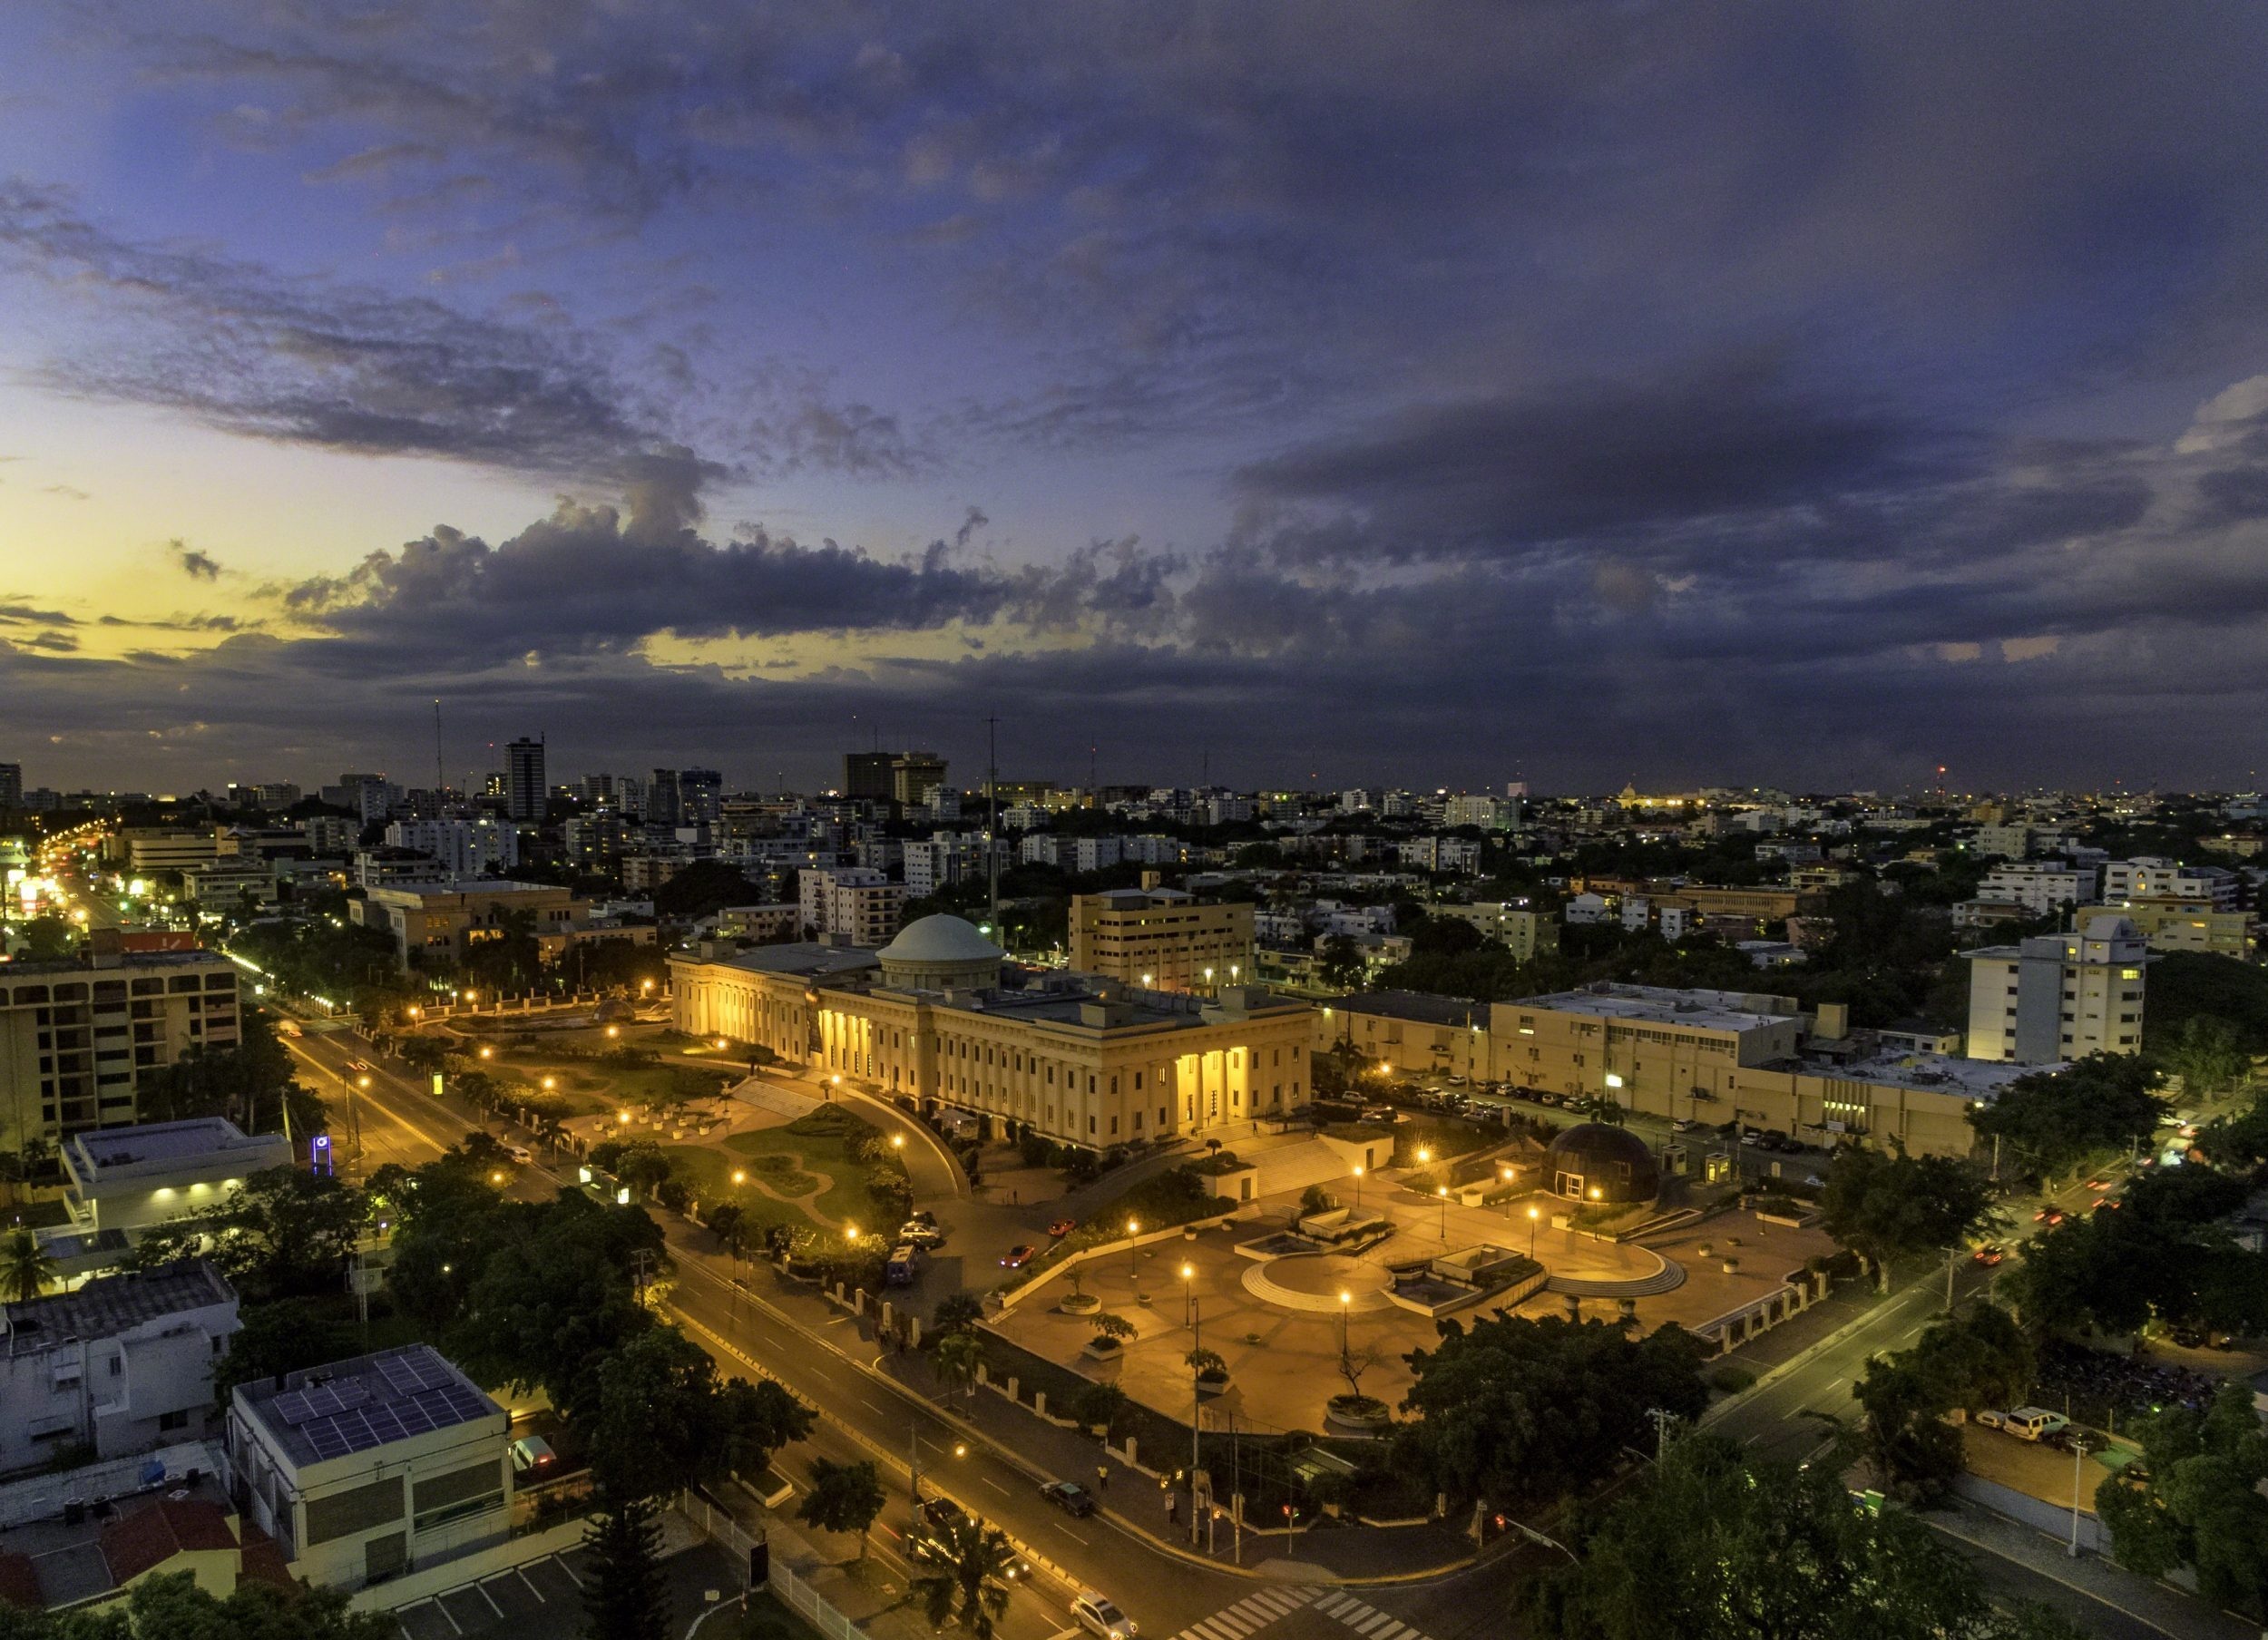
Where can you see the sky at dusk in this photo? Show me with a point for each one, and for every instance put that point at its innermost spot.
(1808, 394)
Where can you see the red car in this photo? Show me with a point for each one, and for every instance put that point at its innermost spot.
(1988, 1256)
(1018, 1256)
(2108, 1201)
(1062, 1227)
(2049, 1215)
(2099, 1184)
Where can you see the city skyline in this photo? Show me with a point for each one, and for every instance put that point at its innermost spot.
(1562, 393)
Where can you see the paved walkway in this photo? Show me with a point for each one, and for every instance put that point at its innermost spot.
(2159, 1605)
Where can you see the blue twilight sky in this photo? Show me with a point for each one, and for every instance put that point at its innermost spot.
(1431, 393)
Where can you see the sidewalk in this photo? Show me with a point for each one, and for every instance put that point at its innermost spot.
(2159, 1605)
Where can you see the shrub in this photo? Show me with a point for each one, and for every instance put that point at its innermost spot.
(1733, 1379)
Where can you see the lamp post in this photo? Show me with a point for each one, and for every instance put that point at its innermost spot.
(1535, 1216)
(1188, 1299)
(1197, 1416)
(1133, 1268)
(2078, 1458)
(1358, 1187)
(1442, 1191)
(1347, 1307)
(1506, 1175)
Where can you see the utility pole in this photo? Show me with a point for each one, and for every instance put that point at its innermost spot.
(440, 777)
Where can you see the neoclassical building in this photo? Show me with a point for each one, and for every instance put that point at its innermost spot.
(1084, 1059)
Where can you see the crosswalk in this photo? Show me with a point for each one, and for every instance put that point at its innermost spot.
(1257, 1611)
(1365, 1620)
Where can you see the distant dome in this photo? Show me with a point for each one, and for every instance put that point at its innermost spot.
(612, 1011)
(940, 952)
(1594, 1162)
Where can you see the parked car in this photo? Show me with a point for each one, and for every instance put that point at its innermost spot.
(1099, 1615)
(2035, 1423)
(914, 1233)
(1062, 1227)
(1457, 1082)
(1069, 1496)
(1684, 1124)
(1018, 1256)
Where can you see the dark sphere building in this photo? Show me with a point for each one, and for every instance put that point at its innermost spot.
(1593, 1163)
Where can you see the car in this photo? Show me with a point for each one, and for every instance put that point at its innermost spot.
(532, 1455)
(916, 1234)
(1988, 1256)
(520, 1154)
(1062, 1227)
(1684, 1124)
(921, 1215)
(1991, 1418)
(942, 1514)
(2034, 1423)
(2099, 1184)
(1750, 1137)
(1457, 1082)
(2049, 1215)
(1018, 1256)
(2102, 1202)
(1069, 1496)
(1100, 1616)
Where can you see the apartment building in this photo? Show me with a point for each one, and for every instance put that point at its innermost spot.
(75, 1040)
(465, 848)
(2173, 924)
(2149, 877)
(122, 1364)
(2058, 997)
(856, 903)
(440, 923)
(368, 1467)
(1084, 1059)
(1161, 939)
(1524, 931)
(2040, 886)
(145, 851)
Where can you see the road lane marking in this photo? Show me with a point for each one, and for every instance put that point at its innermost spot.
(996, 1485)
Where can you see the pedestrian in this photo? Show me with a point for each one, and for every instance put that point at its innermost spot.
(1102, 1478)
(1173, 1506)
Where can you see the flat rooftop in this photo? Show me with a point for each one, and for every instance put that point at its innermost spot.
(166, 1144)
(423, 888)
(111, 1305)
(807, 957)
(1935, 1072)
(1659, 1005)
(365, 1402)
(21, 970)
(1421, 1007)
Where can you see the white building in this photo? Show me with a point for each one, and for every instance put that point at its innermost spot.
(1098, 854)
(2009, 842)
(2039, 886)
(369, 1468)
(2151, 878)
(855, 903)
(465, 848)
(128, 1179)
(1490, 813)
(122, 1364)
(2058, 997)
(1588, 908)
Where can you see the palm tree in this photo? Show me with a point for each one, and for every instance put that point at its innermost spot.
(958, 1357)
(972, 1560)
(26, 1268)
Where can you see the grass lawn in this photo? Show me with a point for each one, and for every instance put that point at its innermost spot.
(709, 1174)
(816, 1143)
(587, 1088)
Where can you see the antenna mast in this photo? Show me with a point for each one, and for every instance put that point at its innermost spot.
(991, 822)
(440, 776)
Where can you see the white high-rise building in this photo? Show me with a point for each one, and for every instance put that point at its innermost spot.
(2059, 997)
(2149, 877)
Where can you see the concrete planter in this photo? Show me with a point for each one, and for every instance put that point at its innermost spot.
(1357, 1421)
(1104, 1349)
(1079, 1304)
(1216, 1385)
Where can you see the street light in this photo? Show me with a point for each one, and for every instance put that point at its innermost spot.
(487, 1052)
(1534, 1214)
(1189, 1272)
(897, 1141)
(1442, 1191)
(1507, 1174)
(739, 1176)
(1347, 1307)
(1358, 1187)
(1133, 1269)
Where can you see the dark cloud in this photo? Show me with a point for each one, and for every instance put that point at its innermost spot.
(196, 563)
(16, 613)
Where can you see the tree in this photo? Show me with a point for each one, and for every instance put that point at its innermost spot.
(660, 1424)
(1112, 1329)
(1884, 1206)
(1342, 964)
(2207, 1056)
(173, 1607)
(1356, 1361)
(627, 1596)
(1098, 1405)
(958, 1357)
(283, 1233)
(956, 1312)
(970, 1584)
(2239, 1141)
(844, 1498)
(728, 1223)
(2197, 1505)
(1914, 1452)
(1516, 1412)
(280, 1336)
(760, 1418)
(1715, 1547)
(2163, 1255)
(2055, 1122)
(26, 1268)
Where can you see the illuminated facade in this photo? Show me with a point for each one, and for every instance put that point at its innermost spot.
(1080, 1059)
